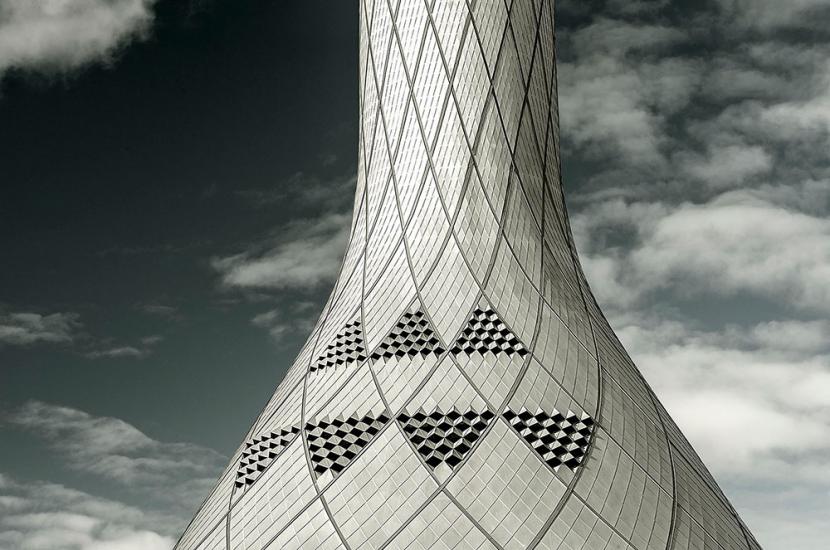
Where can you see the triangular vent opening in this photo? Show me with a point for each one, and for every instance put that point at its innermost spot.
(444, 437)
(486, 333)
(333, 444)
(260, 451)
(347, 347)
(560, 440)
(412, 335)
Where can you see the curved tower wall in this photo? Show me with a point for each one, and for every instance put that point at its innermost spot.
(462, 389)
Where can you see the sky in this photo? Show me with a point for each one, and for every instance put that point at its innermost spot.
(176, 181)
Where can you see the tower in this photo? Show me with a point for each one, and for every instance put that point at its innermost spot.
(462, 389)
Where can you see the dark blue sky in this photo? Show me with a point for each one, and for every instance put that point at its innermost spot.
(122, 181)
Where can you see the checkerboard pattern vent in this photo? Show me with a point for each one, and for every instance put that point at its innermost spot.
(346, 348)
(561, 440)
(486, 333)
(260, 452)
(444, 437)
(411, 336)
(334, 444)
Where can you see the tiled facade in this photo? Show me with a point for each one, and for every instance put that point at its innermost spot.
(462, 389)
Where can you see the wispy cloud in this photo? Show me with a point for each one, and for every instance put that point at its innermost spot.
(42, 515)
(164, 482)
(161, 310)
(332, 194)
(26, 328)
(305, 255)
(114, 449)
(144, 348)
(295, 320)
(58, 36)
(117, 352)
(29, 329)
(302, 254)
(770, 14)
(152, 340)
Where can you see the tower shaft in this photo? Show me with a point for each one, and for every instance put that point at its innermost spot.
(462, 388)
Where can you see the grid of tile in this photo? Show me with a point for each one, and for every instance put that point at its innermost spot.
(425, 426)
(265, 508)
(441, 526)
(385, 487)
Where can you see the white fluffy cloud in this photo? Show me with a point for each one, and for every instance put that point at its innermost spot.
(304, 256)
(755, 403)
(48, 516)
(165, 482)
(704, 188)
(24, 328)
(114, 449)
(736, 242)
(63, 35)
(768, 14)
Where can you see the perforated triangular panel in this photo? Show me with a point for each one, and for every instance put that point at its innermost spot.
(486, 333)
(346, 348)
(412, 335)
(334, 444)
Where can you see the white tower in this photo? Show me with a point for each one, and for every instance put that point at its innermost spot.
(462, 389)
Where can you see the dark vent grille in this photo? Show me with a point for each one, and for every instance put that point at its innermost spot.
(444, 437)
(334, 444)
(411, 336)
(484, 333)
(561, 440)
(260, 452)
(346, 348)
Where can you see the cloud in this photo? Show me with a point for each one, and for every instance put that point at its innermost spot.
(58, 36)
(144, 348)
(273, 322)
(802, 114)
(152, 340)
(728, 165)
(306, 255)
(161, 310)
(117, 352)
(165, 482)
(733, 243)
(44, 516)
(113, 449)
(695, 140)
(618, 88)
(299, 320)
(604, 107)
(618, 37)
(771, 14)
(26, 328)
(306, 189)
